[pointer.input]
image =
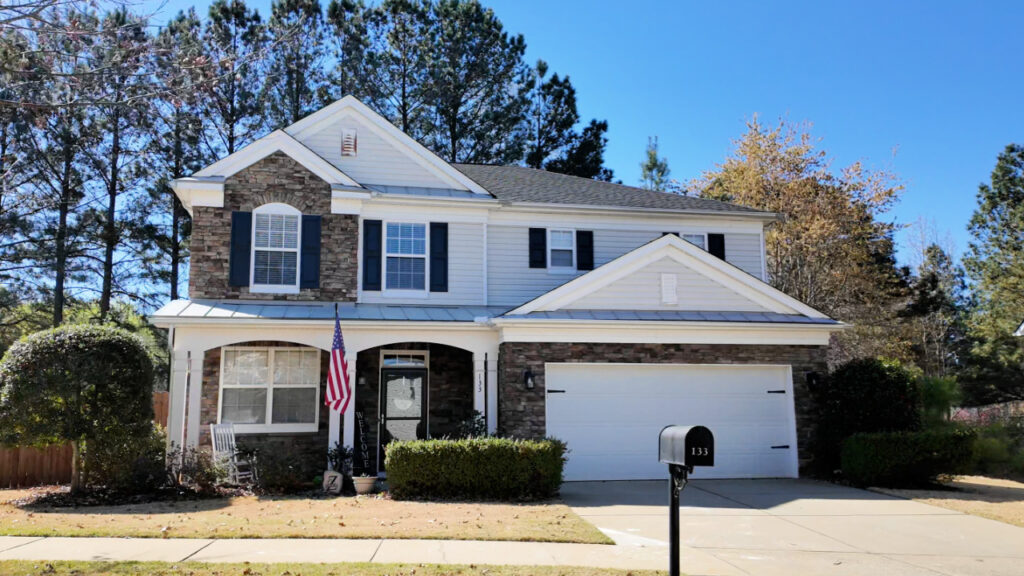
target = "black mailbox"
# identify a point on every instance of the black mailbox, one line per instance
(686, 446)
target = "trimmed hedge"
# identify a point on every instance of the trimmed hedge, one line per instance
(900, 459)
(475, 468)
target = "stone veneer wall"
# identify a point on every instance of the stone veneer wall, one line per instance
(276, 178)
(310, 446)
(521, 412)
(450, 390)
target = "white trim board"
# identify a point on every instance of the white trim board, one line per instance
(669, 246)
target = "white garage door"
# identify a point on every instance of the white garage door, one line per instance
(610, 416)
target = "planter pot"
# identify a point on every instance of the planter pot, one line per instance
(365, 484)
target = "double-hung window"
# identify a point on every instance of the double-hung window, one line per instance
(406, 252)
(561, 250)
(275, 248)
(698, 240)
(270, 389)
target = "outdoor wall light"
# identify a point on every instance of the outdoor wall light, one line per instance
(528, 379)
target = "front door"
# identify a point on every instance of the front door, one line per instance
(403, 414)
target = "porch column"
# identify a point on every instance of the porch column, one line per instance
(350, 413)
(480, 382)
(195, 396)
(177, 391)
(492, 391)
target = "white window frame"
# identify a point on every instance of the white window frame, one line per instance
(283, 209)
(268, 427)
(552, 269)
(683, 235)
(404, 292)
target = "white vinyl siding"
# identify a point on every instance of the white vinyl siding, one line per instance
(642, 290)
(465, 270)
(511, 281)
(377, 162)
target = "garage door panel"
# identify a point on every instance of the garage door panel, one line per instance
(610, 416)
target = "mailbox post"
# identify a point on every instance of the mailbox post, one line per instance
(682, 448)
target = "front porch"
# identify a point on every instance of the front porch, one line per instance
(264, 376)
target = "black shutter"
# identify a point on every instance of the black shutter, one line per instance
(241, 248)
(538, 248)
(372, 242)
(716, 245)
(584, 250)
(309, 276)
(438, 257)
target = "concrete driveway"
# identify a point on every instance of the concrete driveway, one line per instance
(795, 527)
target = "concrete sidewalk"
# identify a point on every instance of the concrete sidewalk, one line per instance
(329, 551)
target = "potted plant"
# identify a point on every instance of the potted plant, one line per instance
(364, 483)
(340, 460)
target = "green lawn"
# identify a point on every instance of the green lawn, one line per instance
(27, 568)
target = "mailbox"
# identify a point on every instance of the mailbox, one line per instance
(686, 446)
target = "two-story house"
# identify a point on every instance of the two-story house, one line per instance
(558, 306)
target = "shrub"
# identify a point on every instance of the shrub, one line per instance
(866, 395)
(938, 396)
(909, 458)
(996, 447)
(475, 468)
(194, 469)
(281, 472)
(127, 463)
(75, 384)
(473, 426)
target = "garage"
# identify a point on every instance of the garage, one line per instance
(610, 416)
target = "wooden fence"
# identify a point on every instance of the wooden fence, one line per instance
(22, 467)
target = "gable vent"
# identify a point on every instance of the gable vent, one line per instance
(349, 142)
(669, 295)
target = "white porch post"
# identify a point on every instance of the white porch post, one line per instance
(479, 382)
(350, 414)
(195, 396)
(178, 387)
(492, 390)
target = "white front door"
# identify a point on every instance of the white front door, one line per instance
(610, 416)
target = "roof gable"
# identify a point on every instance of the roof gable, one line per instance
(638, 275)
(277, 141)
(391, 157)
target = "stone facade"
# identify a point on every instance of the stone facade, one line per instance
(521, 412)
(276, 178)
(309, 446)
(449, 393)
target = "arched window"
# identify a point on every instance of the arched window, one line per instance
(276, 230)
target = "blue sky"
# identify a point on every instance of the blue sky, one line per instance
(929, 90)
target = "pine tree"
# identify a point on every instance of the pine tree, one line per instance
(995, 264)
(585, 155)
(176, 145)
(235, 40)
(295, 67)
(654, 169)
(935, 312)
(347, 33)
(552, 116)
(119, 54)
(479, 86)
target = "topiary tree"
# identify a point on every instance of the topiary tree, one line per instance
(863, 395)
(75, 384)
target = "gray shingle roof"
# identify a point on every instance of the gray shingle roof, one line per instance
(520, 184)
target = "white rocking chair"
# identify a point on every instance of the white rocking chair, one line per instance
(225, 453)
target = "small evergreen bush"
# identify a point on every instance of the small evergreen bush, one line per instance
(907, 458)
(475, 468)
(865, 395)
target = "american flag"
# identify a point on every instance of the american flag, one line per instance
(339, 392)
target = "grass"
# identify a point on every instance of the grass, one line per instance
(26, 568)
(295, 517)
(992, 498)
